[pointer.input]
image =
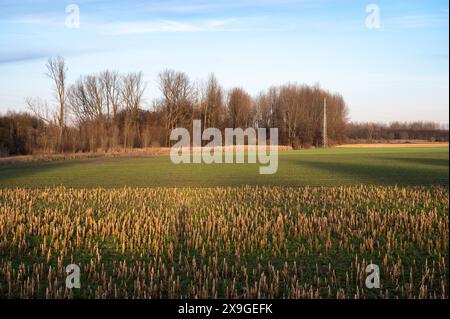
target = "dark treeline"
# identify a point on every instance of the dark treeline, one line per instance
(428, 131)
(104, 111)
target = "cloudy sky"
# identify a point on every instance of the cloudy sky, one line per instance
(397, 71)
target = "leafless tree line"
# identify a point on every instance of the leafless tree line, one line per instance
(367, 132)
(105, 111)
(94, 103)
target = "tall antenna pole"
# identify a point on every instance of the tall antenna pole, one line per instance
(325, 140)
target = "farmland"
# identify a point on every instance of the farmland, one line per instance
(145, 228)
(320, 167)
(240, 242)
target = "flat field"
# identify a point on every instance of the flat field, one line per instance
(320, 167)
(146, 228)
(233, 242)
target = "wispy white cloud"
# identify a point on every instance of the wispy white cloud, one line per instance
(122, 28)
(149, 27)
(203, 6)
(12, 57)
(125, 27)
(219, 23)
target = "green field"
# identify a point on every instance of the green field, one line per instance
(321, 167)
(260, 236)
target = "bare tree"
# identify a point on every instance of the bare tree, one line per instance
(56, 71)
(108, 111)
(241, 110)
(177, 100)
(86, 98)
(40, 109)
(133, 88)
(212, 105)
(111, 83)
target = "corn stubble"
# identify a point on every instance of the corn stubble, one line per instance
(236, 242)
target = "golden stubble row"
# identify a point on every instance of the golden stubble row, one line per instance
(235, 242)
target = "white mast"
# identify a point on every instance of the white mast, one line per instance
(325, 140)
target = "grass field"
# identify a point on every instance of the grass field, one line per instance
(322, 167)
(309, 231)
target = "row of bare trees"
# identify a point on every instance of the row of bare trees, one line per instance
(368, 132)
(93, 103)
(105, 111)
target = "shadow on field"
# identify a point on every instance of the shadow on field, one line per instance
(438, 162)
(20, 171)
(378, 172)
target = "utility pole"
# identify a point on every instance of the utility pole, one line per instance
(325, 140)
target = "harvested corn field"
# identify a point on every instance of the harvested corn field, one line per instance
(225, 242)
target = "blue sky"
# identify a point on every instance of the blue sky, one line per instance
(396, 72)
